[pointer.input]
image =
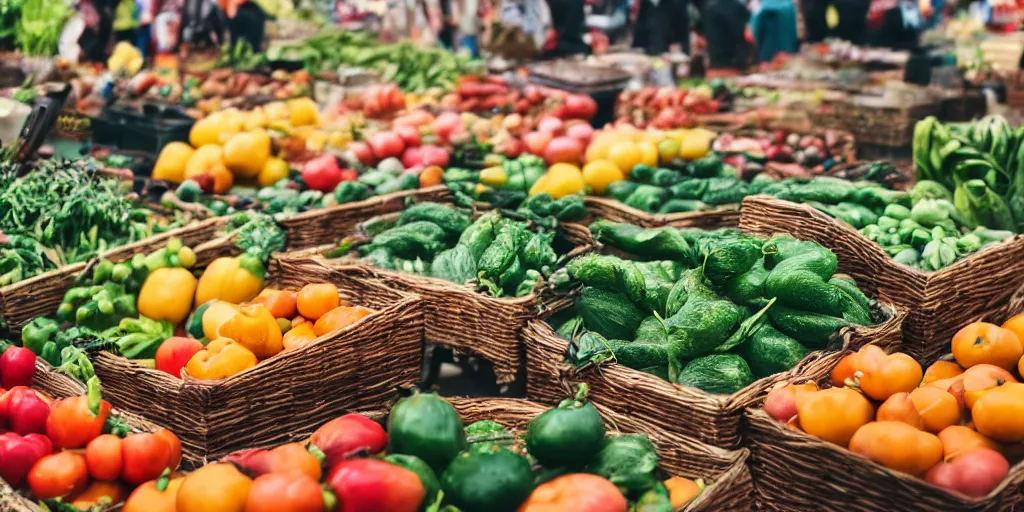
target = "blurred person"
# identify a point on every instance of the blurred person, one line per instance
(569, 22)
(773, 27)
(522, 29)
(246, 21)
(661, 24)
(815, 24)
(126, 21)
(724, 24)
(853, 21)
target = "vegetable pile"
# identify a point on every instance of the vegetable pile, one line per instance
(73, 454)
(411, 67)
(666, 107)
(506, 257)
(714, 310)
(953, 424)
(428, 460)
(63, 213)
(981, 162)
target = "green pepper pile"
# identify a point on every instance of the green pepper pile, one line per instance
(929, 232)
(486, 466)
(713, 310)
(503, 255)
(70, 210)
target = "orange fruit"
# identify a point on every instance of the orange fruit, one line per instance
(315, 300)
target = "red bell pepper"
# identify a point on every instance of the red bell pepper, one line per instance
(19, 453)
(17, 366)
(75, 421)
(23, 411)
(351, 433)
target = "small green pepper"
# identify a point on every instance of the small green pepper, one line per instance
(39, 331)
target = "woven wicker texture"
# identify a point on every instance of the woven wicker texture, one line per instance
(781, 457)
(891, 126)
(40, 295)
(610, 209)
(286, 397)
(713, 419)
(325, 226)
(59, 386)
(729, 482)
(469, 321)
(974, 285)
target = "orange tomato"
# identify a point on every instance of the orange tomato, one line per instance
(431, 176)
(1016, 325)
(175, 445)
(314, 300)
(147, 498)
(339, 318)
(937, 408)
(281, 492)
(97, 492)
(146, 456)
(280, 303)
(300, 336)
(103, 457)
(985, 343)
(882, 375)
(977, 380)
(844, 370)
(216, 486)
(941, 370)
(58, 475)
(900, 407)
(681, 491)
(999, 413)
(958, 440)
(898, 446)
(834, 414)
(575, 491)
(287, 458)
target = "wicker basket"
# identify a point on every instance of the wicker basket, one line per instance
(460, 317)
(289, 395)
(325, 226)
(40, 295)
(59, 386)
(605, 208)
(891, 126)
(713, 419)
(977, 284)
(846, 145)
(781, 456)
(729, 486)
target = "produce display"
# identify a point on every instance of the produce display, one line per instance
(501, 255)
(427, 459)
(63, 213)
(952, 423)
(665, 108)
(220, 89)
(714, 310)
(73, 453)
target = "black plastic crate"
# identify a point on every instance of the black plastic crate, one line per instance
(147, 130)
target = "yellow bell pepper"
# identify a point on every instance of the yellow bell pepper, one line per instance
(494, 176)
(167, 294)
(560, 180)
(216, 314)
(254, 328)
(273, 171)
(220, 359)
(234, 279)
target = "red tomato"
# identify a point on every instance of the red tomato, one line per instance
(280, 492)
(145, 457)
(386, 145)
(433, 155)
(322, 173)
(349, 174)
(446, 124)
(563, 150)
(174, 353)
(372, 484)
(537, 142)
(579, 106)
(362, 152)
(104, 457)
(580, 131)
(551, 125)
(409, 134)
(17, 366)
(348, 434)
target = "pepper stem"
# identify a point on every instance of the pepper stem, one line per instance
(581, 392)
(330, 500)
(94, 395)
(316, 452)
(164, 480)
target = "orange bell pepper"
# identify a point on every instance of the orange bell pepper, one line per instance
(220, 359)
(254, 328)
(339, 318)
(75, 421)
(154, 496)
(882, 375)
(100, 492)
(280, 303)
(299, 336)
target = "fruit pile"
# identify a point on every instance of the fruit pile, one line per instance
(955, 424)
